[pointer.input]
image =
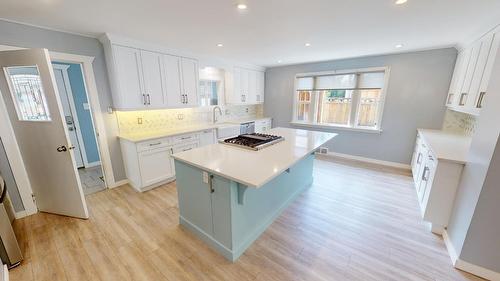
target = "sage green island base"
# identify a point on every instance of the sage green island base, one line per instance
(230, 216)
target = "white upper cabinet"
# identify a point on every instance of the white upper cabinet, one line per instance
(248, 87)
(128, 93)
(472, 74)
(190, 79)
(173, 81)
(154, 85)
(259, 94)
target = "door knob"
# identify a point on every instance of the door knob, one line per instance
(62, 148)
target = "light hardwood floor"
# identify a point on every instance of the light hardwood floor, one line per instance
(354, 223)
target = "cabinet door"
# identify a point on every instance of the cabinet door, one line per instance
(463, 59)
(152, 69)
(236, 96)
(173, 83)
(259, 94)
(454, 88)
(484, 50)
(487, 71)
(155, 165)
(244, 85)
(207, 137)
(469, 74)
(129, 77)
(252, 87)
(190, 81)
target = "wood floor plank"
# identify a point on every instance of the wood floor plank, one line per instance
(356, 222)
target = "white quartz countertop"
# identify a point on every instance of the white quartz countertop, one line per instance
(138, 137)
(447, 146)
(256, 168)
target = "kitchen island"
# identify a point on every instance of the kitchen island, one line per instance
(228, 195)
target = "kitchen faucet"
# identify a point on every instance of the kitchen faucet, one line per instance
(214, 118)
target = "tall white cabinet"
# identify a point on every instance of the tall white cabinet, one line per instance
(472, 74)
(144, 79)
(248, 87)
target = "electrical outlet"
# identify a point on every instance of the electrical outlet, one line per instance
(205, 177)
(139, 120)
(180, 116)
(246, 109)
(323, 150)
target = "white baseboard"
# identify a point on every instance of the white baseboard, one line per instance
(118, 183)
(93, 164)
(466, 266)
(21, 214)
(451, 249)
(368, 160)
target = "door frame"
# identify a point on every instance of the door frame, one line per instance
(71, 100)
(12, 148)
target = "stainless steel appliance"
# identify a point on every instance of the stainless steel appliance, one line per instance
(253, 141)
(247, 128)
(9, 248)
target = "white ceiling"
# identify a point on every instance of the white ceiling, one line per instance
(269, 30)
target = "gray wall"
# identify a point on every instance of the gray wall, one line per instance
(19, 35)
(416, 96)
(474, 227)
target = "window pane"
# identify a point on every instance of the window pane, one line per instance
(344, 81)
(335, 107)
(371, 80)
(305, 83)
(368, 107)
(303, 105)
(27, 93)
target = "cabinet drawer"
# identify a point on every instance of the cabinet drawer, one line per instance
(152, 144)
(184, 138)
(185, 147)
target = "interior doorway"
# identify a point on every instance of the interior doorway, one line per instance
(78, 118)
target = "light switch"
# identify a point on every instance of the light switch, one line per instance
(205, 177)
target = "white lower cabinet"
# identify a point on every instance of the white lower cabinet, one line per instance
(149, 164)
(156, 165)
(436, 181)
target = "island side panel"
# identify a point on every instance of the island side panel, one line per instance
(195, 206)
(260, 207)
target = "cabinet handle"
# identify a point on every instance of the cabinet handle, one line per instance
(480, 100)
(419, 158)
(171, 150)
(462, 99)
(210, 184)
(187, 149)
(187, 98)
(149, 99)
(156, 143)
(186, 138)
(425, 176)
(144, 99)
(450, 98)
(182, 99)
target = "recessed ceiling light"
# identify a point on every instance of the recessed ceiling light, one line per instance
(399, 2)
(244, 6)
(308, 44)
(399, 46)
(220, 45)
(280, 61)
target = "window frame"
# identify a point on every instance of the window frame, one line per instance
(355, 103)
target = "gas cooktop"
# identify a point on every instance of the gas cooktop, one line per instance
(253, 141)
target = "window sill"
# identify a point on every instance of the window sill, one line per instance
(336, 127)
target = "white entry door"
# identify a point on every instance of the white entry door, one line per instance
(28, 88)
(69, 110)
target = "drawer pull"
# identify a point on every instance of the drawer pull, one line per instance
(186, 138)
(156, 143)
(186, 149)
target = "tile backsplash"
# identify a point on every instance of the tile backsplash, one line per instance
(458, 122)
(150, 121)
